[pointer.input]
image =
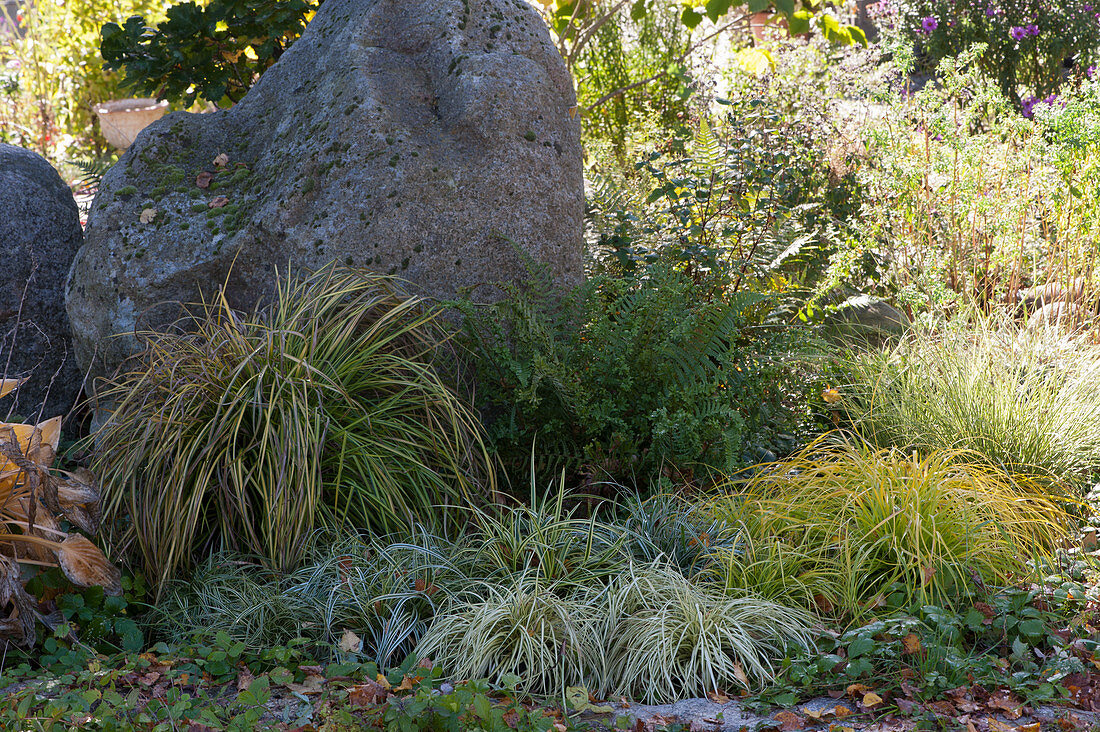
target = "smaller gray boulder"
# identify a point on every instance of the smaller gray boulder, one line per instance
(39, 234)
(866, 318)
(1060, 315)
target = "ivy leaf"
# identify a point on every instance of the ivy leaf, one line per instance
(690, 18)
(716, 9)
(638, 10)
(785, 6)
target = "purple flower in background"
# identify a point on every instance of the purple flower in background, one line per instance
(1029, 105)
(929, 24)
(1032, 29)
(990, 11)
(1090, 71)
(1017, 33)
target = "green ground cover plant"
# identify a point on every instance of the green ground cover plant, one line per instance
(503, 600)
(248, 431)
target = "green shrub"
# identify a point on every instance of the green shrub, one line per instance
(743, 205)
(939, 528)
(213, 51)
(628, 377)
(242, 432)
(1024, 400)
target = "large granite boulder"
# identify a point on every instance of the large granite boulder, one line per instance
(431, 139)
(39, 236)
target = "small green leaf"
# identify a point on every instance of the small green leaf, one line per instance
(690, 18)
(716, 9)
(638, 10)
(483, 707)
(799, 23)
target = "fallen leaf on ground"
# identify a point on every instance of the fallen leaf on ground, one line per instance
(221, 159)
(996, 725)
(366, 694)
(943, 708)
(350, 642)
(789, 721)
(312, 684)
(911, 644)
(202, 180)
(218, 202)
(1071, 722)
(905, 706)
(244, 679)
(148, 215)
(855, 690)
(871, 699)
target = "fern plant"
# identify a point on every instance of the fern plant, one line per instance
(628, 378)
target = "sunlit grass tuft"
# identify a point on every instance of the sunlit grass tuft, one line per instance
(525, 628)
(1024, 400)
(939, 526)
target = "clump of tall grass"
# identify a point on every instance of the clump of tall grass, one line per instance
(1024, 400)
(243, 432)
(937, 528)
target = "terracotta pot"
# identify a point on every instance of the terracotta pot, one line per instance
(121, 120)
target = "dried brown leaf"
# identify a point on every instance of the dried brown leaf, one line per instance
(17, 626)
(85, 566)
(202, 180)
(789, 721)
(9, 385)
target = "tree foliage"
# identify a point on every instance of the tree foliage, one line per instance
(214, 52)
